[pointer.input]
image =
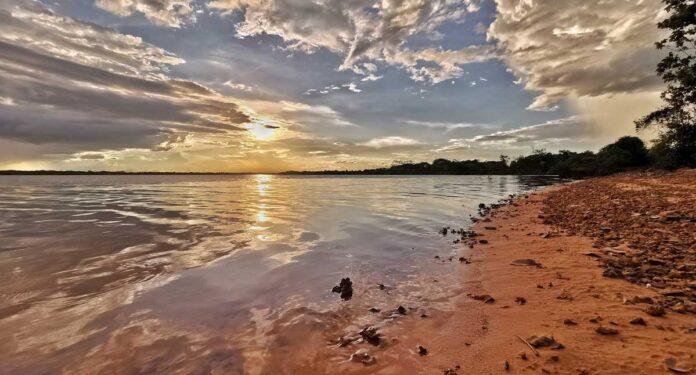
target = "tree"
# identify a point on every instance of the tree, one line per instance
(677, 118)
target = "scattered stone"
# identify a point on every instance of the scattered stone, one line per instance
(506, 365)
(607, 331)
(526, 262)
(521, 300)
(345, 288)
(363, 356)
(570, 322)
(371, 335)
(671, 364)
(450, 371)
(490, 228)
(643, 241)
(523, 356)
(422, 350)
(482, 297)
(483, 242)
(374, 310)
(640, 299)
(655, 310)
(544, 342)
(638, 322)
(565, 296)
(401, 310)
(382, 287)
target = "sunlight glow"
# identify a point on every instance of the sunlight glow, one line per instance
(263, 130)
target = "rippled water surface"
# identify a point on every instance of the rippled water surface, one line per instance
(148, 273)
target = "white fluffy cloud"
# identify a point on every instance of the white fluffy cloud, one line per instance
(363, 30)
(171, 13)
(391, 141)
(569, 48)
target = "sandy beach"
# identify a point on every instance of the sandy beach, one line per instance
(534, 298)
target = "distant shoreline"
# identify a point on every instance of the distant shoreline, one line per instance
(290, 173)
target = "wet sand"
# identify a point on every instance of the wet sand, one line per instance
(566, 298)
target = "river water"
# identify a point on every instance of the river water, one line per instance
(197, 274)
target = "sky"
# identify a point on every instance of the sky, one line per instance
(276, 85)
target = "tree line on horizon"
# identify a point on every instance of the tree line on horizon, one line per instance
(625, 154)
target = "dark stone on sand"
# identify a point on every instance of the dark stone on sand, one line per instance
(570, 322)
(606, 331)
(345, 288)
(370, 335)
(486, 298)
(525, 262)
(545, 342)
(638, 322)
(483, 242)
(374, 310)
(655, 310)
(422, 350)
(521, 300)
(401, 310)
(506, 365)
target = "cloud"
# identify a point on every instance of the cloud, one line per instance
(170, 13)
(448, 126)
(87, 86)
(564, 48)
(371, 77)
(363, 31)
(569, 131)
(239, 86)
(390, 141)
(352, 87)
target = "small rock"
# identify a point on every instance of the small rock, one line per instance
(655, 310)
(363, 356)
(570, 322)
(526, 262)
(521, 300)
(565, 296)
(607, 331)
(483, 242)
(544, 341)
(638, 322)
(482, 297)
(374, 310)
(401, 310)
(523, 356)
(671, 364)
(506, 365)
(371, 335)
(345, 288)
(422, 350)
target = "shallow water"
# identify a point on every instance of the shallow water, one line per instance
(153, 273)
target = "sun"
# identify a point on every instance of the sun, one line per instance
(262, 131)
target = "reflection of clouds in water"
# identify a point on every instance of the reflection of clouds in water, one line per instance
(265, 240)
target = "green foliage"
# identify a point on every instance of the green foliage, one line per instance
(676, 120)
